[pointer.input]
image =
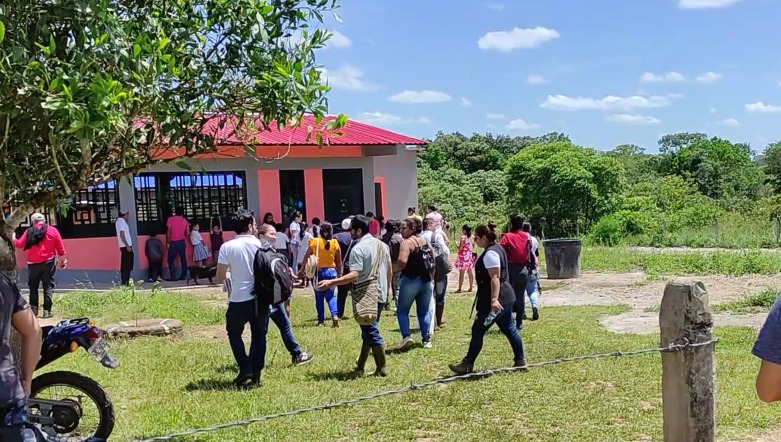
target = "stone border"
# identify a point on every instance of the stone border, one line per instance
(144, 327)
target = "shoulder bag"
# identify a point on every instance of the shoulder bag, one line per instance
(365, 294)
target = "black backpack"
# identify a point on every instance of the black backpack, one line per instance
(273, 281)
(442, 264)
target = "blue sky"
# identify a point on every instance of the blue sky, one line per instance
(606, 72)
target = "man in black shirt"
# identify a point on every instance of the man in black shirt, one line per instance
(15, 386)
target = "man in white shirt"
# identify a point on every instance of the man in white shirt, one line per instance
(436, 236)
(237, 256)
(127, 257)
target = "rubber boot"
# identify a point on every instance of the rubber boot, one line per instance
(440, 308)
(360, 363)
(379, 358)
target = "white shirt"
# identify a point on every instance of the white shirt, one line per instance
(302, 250)
(362, 259)
(535, 247)
(282, 240)
(239, 254)
(491, 260)
(430, 236)
(195, 237)
(122, 226)
(295, 230)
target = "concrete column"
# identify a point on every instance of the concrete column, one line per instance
(127, 201)
(369, 203)
(688, 375)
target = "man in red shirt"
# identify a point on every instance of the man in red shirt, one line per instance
(178, 230)
(374, 225)
(43, 246)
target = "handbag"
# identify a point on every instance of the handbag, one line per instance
(310, 267)
(365, 294)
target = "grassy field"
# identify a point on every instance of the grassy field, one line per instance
(172, 384)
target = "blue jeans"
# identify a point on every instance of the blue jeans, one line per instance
(327, 295)
(278, 315)
(236, 318)
(532, 292)
(440, 289)
(417, 291)
(177, 249)
(519, 280)
(370, 334)
(12, 422)
(505, 323)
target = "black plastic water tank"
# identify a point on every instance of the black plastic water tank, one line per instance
(562, 257)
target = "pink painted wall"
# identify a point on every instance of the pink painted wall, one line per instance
(269, 194)
(313, 181)
(85, 253)
(143, 263)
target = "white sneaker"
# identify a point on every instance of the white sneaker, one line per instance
(405, 344)
(427, 345)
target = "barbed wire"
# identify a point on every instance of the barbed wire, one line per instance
(672, 347)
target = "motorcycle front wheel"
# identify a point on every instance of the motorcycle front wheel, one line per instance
(49, 399)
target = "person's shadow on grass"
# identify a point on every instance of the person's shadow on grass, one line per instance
(341, 376)
(214, 385)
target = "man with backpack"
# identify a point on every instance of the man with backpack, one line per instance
(237, 256)
(521, 263)
(438, 241)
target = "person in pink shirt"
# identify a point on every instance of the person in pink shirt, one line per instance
(44, 246)
(374, 225)
(178, 230)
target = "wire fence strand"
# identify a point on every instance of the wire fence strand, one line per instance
(672, 347)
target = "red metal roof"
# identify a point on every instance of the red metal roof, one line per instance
(354, 133)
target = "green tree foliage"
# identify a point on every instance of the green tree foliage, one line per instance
(771, 164)
(568, 186)
(90, 89)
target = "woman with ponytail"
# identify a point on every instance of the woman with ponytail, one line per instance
(495, 300)
(329, 263)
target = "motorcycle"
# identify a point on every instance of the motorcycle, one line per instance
(64, 416)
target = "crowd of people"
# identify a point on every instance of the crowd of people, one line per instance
(380, 265)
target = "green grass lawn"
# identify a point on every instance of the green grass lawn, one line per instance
(172, 384)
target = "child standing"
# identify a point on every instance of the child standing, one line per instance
(154, 254)
(216, 236)
(200, 252)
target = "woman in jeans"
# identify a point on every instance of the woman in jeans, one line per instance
(415, 285)
(329, 261)
(494, 295)
(518, 246)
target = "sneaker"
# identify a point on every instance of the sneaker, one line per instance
(302, 358)
(405, 344)
(427, 344)
(461, 368)
(46, 314)
(244, 377)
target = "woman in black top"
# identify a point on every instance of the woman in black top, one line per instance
(494, 294)
(415, 284)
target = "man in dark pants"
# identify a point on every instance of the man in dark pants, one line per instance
(345, 240)
(127, 257)
(154, 254)
(44, 246)
(177, 230)
(15, 384)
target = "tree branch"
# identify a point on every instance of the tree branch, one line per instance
(57, 165)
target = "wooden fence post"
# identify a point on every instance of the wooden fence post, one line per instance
(688, 376)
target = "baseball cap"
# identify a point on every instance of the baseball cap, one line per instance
(38, 218)
(346, 223)
(122, 211)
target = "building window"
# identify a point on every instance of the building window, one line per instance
(89, 213)
(342, 193)
(292, 191)
(205, 198)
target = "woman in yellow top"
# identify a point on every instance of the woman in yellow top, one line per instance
(329, 265)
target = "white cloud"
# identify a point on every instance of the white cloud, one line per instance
(496, 6)
(650, 77)
(761, 108)
(491, 116)
(709, 77)
(633, 119)
(516, 38)
(417, 97)
(519, 124)
(347, 77)
(380, 118)
(536, 79)
(338, 40)
(608, 103)
(706, 4)
(731, 122)
(466, 102)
